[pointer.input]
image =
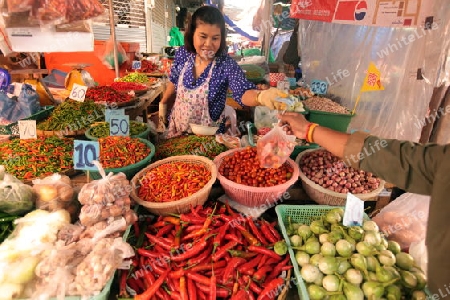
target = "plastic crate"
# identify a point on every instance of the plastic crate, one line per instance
(338, 122)
(13, 128)
(299, 214)
(304, 214)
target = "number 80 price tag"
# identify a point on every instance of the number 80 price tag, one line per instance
(85, 152)
(319, 87)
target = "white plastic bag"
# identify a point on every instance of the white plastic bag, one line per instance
(404, 220)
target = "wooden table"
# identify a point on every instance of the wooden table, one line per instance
(142, 105)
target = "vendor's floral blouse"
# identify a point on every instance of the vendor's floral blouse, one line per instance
(226, 74)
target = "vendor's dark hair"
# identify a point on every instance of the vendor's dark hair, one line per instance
(208, 15)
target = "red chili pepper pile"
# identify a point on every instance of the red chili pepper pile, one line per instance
(107, 94)
(173, 181)
(208, 253)
(28, 159)
(121, 151)
(148, 66)
(243, 167)
(122, 86)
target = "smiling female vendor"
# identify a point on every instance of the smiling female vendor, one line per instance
(200, 76)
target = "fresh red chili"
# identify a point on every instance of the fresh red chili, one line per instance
(248, 236)
(192, 290)
(240, 295)
(254, 229)
(233, 264)
(264, 251)
(200, 258)
(196, 277)
(172, 220)
(152, 290)
(176, 274)
(278, 268)
(162, 242)
(196, 249)
(208, 266)
(222, 251)
(123, 283)
(183, 288)
(213, 286)
(260, 274)
(250, 266)
(273, 287)
(243, 254)
(165, 230)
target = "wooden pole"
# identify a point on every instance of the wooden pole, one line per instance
(113, 35)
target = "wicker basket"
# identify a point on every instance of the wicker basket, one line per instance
(254, 196)
(182, 205)
(326, 197)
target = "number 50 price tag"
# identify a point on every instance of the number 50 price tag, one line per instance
(84, 153)
(78, 92)
(119, 125)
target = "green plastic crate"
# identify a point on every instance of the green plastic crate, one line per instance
(338, 122)
(303, 214)
(130, 170)
(13, 128)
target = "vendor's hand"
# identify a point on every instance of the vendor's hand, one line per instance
(268, 98)
(294, 123)
(162, 120)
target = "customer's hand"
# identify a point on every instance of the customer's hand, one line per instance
(269, 98)
(296, 124)
(162, 120)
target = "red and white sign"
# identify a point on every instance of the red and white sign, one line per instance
(391, 13)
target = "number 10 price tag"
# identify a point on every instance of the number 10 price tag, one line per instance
(119, 125)
(85, 152)
(27, 129)
(78, 92)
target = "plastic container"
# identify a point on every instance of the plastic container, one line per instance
(142, 135)
(338, 122)
(180, 206)
(130, 170)
(299, 214)
(13, 128)
(324, 196)
(253, 73)
(254, 196)
(203, 130)
(56, 79)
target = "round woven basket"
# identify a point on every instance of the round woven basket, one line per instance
(324, 196)
(180, 206)
(255, 196)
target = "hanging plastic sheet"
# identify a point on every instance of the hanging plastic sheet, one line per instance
(411, 61)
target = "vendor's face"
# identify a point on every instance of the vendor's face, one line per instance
(207, 40)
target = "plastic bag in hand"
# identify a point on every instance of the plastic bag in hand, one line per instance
(404, 220)
(275, 148)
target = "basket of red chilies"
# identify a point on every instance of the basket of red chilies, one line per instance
(174, 184)
(210, 252)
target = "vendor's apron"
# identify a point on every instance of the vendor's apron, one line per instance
(191, 106)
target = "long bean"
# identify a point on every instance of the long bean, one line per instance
(189, 145)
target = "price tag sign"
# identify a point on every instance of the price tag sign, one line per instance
(319, 87)
(354, 211)
(78, 92)
(136, 64)
(85, 152)
(119, 125)
(113, 112)
(27, 129)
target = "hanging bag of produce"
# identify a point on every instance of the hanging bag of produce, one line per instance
(107, 57)
(275, 147)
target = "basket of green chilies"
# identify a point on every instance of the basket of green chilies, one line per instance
(99, 130)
